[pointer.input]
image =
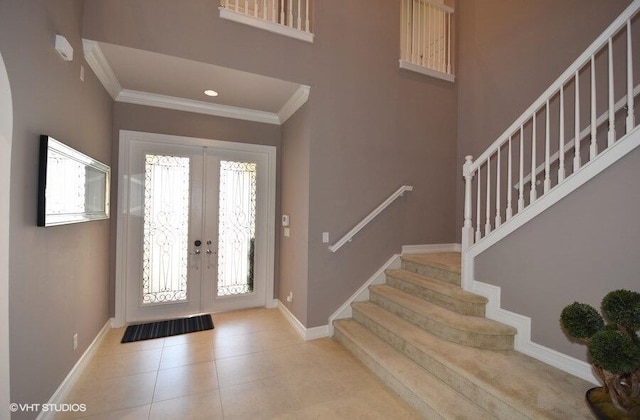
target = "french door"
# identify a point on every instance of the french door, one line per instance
(197, 230)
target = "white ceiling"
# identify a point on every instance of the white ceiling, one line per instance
(138, 76)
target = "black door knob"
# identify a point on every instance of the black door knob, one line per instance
(198, 242)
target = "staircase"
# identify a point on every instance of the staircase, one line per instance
(429, 341)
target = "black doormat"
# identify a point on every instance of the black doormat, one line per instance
(167, 328)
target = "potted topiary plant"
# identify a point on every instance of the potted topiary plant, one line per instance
(614, 348)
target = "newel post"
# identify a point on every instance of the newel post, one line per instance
(467, 228)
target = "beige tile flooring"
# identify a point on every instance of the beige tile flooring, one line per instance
(253, 365)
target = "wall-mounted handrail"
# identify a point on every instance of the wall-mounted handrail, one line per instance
(347, 238)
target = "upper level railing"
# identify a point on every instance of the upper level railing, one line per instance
(357, 228)
(425, 38)
(598, 80)
(287, 17)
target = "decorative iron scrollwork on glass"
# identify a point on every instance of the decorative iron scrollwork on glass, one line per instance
(237, 228)
(166, 229)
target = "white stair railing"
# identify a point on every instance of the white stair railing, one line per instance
(281, 16)
(357, 228)
(542, 131)
(425, 37)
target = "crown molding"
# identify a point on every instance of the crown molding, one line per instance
(100, 66)
(189, 105)
(299, 98)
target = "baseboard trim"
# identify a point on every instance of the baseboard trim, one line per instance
(74, 374)
(523, 341)
(362, 294)
(307, 334)
(430, 249)
(272, 304)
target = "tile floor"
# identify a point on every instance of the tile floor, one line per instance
(253, 365)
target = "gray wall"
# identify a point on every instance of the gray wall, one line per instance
(58, 282)
(585, 245)
(578, 250)
(373, 127)
(294, 250)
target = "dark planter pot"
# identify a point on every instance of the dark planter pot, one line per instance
(602, 407)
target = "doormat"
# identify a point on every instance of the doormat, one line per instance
(167, 328)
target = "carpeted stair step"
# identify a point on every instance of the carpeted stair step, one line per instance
(441, 293)
(508, 384)
(443, 266)
(462, 329)
(423, 391)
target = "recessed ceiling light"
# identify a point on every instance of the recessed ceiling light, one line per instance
(210, 92)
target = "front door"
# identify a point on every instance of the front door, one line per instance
(196, 234)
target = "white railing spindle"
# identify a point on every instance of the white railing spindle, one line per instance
(547, 152)
(533, 193)
(255, 8)
(299, 20)
(306, 20)
(509, 212)
(487, 225)
(593, 149)
(449, 43)
(498, 216)
(521, 189)
(577, 160)
(611, 136)
(290, 14)
(282, 20)
(274, 11)
(630, 111)
(478, 231)
(561, 170)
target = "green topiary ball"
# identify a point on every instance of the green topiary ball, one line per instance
(614, 351)
(581, 321)
(623, 307)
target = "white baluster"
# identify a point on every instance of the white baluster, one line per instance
(533, 193)
(299, 15)
(521, 189)
(467, 229)
(487, 226)
(561, 170)
(255, 8)
(290, 14)
(306, 20)
(593, 149)
(246, 7)
(577, 160)
(509, 212)
(226, 4)
(547, 146)
(611, 136)
(264, 10)
(236, 4)
(282, 20)
(631, 123)
(449, 43)
(498, 216)
(274, 11)
(409, 40)
(414, 33)
(478, 231)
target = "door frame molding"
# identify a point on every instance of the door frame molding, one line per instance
(125, 139)
(6, 135)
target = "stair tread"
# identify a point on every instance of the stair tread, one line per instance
(450, 261)
(474, 324)
(438, 286)
(532, 387)
(446, 401)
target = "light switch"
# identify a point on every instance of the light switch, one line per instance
(287, 232)
(285, 220)
(325, 237)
